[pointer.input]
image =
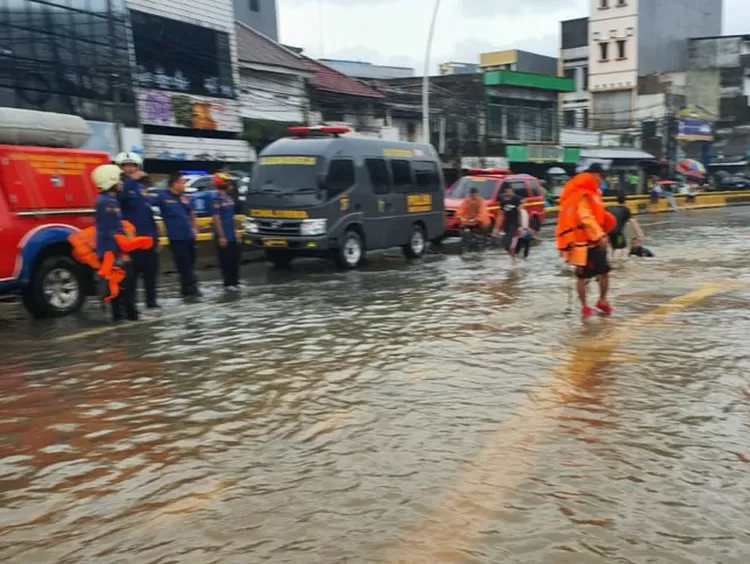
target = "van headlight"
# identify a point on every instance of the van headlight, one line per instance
(251, 226)
(312, 227)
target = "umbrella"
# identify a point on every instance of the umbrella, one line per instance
(691, 167)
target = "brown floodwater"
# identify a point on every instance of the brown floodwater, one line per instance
(449, 410)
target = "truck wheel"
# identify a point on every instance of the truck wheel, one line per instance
(351, 252)
(56, 288)
(280, 259)
(417, 243)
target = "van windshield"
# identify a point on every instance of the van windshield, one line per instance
(485, 186)
(286, 175)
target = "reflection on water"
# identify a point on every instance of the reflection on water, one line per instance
(448, 411)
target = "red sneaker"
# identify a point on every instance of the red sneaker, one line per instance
(604, 307)
(586, 311)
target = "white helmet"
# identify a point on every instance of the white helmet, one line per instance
(106, 176)
(128, 158)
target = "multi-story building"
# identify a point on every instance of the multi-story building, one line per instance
(259, 15)
(367, 71)
(453, 67)
(70, 57)
(186, 83)
(519, 61)
(629, 39)
(574, 64)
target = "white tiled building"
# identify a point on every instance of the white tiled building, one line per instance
(180, 124)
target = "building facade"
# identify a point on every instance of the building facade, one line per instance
(629, 39)
(186, 83)
(368, 71)
(519, 61)
(259, 15)
(70, 57)
(453, 67)
(574, 64)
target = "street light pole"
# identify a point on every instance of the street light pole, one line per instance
(426, 78)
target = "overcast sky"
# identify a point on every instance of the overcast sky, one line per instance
(394, 32)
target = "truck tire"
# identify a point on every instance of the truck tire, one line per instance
(56, 288)
(351, 251)
(280, 259)
(417, 244)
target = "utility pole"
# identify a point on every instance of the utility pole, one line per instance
(426, 78)
(115, 79)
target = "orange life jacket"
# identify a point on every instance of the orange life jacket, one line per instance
(471, 209)
(570, 230)
(84, 251)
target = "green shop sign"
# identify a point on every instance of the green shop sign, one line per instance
(542, 154)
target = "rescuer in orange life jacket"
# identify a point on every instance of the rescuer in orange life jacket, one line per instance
(581, 236)
(113, 244)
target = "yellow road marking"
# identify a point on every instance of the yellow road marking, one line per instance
(485, 484)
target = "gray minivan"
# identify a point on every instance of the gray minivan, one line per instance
(321, 193)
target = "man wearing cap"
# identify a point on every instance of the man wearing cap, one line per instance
(225, 232)
(136, 208)
(581, 235)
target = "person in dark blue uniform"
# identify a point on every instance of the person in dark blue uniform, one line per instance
(136, 208)
(108, 220)
(225, 231)
(179, 221)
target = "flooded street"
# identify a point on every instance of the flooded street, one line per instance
(450, 410)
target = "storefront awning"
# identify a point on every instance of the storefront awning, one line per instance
(616, 154)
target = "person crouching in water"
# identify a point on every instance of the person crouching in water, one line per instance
(108, 220)
(638, 250)
(474, 214)
(225, 231)
(582, 234)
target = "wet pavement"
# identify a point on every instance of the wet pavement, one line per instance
(450, 410)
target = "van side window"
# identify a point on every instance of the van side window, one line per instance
(519, 189)
(426, 176)
(401, 175)
(379, 178)
(340, 176)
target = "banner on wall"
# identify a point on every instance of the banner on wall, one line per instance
(171, 109)
(694, 123)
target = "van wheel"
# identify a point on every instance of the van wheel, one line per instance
(535, 223)
(351, 252)
(56, 288)
(417, 243)
(280, 259)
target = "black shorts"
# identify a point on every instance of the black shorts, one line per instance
(618, 241)
(596, 264)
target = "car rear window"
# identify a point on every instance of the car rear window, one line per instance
(485, 186)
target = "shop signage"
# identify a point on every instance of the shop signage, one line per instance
(171, 109)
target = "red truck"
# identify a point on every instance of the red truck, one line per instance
(46, 194)
(490, 183)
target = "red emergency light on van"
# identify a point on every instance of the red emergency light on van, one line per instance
(486, 171)
(334, 130)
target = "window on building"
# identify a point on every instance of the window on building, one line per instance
(379, 178)
(411, 131)
(621, 3)
(603, 51)
(570, 118)
(426, 176)
(621, 49)
(585, 73)
(255, 5)
(586, 118)
(340, 176)
(603, 4)
(401, 171)
(571, 73)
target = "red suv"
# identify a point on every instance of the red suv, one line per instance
(490, 183)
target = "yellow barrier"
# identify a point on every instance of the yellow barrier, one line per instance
(205, 228)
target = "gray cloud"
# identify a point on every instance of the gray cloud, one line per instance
(487, 8)
(468, 50)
